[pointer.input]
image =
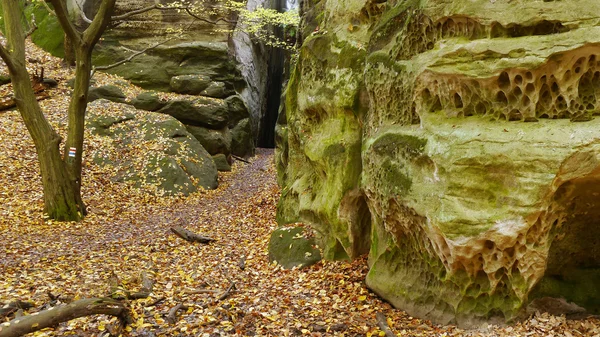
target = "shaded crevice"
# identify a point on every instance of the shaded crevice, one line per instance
(573, 265)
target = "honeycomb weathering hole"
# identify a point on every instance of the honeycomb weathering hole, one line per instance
(564, 87)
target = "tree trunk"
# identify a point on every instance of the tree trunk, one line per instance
(69, 51)
(62, 200)
(77, 108)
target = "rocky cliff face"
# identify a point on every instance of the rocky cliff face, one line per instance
(455, 143)
(199, 60)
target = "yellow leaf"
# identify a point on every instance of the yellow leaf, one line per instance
(101, 326)
(362, 298)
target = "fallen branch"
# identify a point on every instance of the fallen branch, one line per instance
(147, 285)
(383, 325)
(13, 307)
(190, 236)
(202, 291)
(63, 313)
(240, 159)
(172, 316)
(155, 302)
(227, 292)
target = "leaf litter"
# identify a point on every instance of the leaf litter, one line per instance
(226, 288)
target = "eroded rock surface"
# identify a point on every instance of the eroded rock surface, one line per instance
(455, 142)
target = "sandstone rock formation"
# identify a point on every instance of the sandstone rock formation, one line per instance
(198, 61)
(174, 161)
(455, 143)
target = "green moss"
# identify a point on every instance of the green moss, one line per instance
(394, 181)
(390, 143)
(49, 35)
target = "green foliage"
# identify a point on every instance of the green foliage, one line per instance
(258, 22)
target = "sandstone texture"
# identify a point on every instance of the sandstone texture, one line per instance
(454, 142)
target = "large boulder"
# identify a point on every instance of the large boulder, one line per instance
(202, 53)
(208, 112)
(242, 142)
(237, 110)
(189, 84)
(458, 138)
(148, 101)
(109, 92)
(149, 150)
(214, 141)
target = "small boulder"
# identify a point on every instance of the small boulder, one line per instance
(291, 247)
(148, 101)
(71, 82)
(217, 90)
(242, 141)
(189, 84)
(221, 163)
(109, 92)
(214, 141)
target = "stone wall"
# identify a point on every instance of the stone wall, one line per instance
(455, 143)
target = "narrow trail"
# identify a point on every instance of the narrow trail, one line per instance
(128, 231)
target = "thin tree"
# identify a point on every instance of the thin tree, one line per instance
(61, 174)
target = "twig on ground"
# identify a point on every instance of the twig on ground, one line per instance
(190, 236)
(227, 292)
(155, 302)
(240, 159)
(172, 316)
(383, 325)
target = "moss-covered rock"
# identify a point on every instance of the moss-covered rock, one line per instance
(290, 247)
(237, 110)
(411, 121)
(222, 163)
(49, 34)
(109, 92)
(148, 101)
(214, 141)
(242, 141)
(189, 84)
(209, 112)
(151, 151)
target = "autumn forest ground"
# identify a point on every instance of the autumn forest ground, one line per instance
(128, 231)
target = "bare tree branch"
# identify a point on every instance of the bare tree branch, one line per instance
(7, 58)
(131, 57)
(135, 12)
(93, 33)
(33, 28)
(63, 16)
(48, 8)
(216, 22)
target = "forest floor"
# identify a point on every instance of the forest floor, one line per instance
(128, 231)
